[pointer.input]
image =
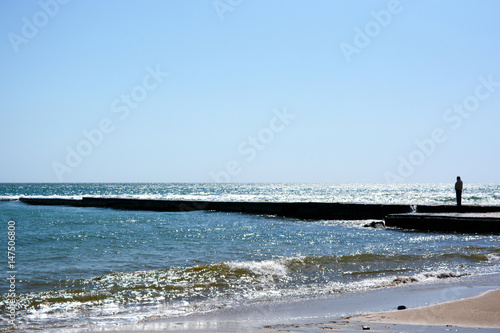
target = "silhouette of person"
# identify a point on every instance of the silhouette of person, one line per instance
(459, 185)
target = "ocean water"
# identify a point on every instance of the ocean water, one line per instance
(90, 267)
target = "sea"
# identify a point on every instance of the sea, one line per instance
(72, 267)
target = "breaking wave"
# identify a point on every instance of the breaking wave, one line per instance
(121, 297)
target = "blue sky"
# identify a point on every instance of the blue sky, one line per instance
(249, 91)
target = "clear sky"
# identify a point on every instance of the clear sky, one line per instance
(250, 91)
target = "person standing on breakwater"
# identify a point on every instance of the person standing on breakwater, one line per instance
(459, 185)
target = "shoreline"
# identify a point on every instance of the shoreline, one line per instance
(348, 312)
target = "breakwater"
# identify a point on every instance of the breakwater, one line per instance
(446, 222)
(302, 210)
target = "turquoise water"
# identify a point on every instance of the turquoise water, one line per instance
(77, 267)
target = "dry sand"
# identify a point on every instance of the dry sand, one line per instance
(482, 312)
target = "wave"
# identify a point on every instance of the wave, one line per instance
(9, 198)
(493, 257)
(17, 197)
(263, 268)
(229, 278)
(428, 277)
(178, 291)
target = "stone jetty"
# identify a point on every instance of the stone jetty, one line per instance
(446, 222)
(467, 218)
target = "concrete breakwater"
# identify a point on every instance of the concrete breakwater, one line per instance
(302, 210)
(395, 215)
(446, 222)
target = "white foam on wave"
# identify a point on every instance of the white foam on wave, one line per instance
(54, 196)
(74, 316)
(9, 197)
(436, 275)
(265, 268)
(493, 257)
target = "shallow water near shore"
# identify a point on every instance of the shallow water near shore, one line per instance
(330, 311)
(91, 267)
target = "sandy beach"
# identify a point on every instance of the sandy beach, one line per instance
(480, 312)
